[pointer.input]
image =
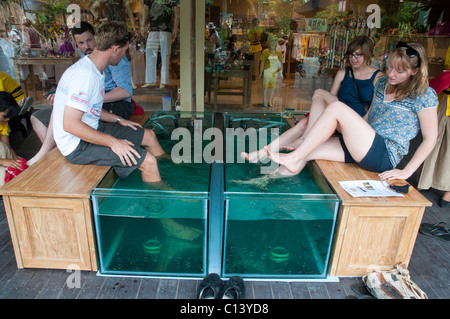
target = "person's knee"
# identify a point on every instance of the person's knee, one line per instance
(5, 152)
(149, 162)
(319, 93)
(149, 135)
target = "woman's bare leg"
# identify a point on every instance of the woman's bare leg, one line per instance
(295, 135)
(286, 139)
(271, 94)
(264, 94)
(357, 134)
(45, 134)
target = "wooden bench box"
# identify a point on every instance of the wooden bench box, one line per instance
(371, 233)
(49, 212)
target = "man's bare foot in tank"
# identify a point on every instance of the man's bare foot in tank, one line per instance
(174, 229)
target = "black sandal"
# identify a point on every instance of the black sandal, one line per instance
(210, 287)
(439, 230)
(234, 288)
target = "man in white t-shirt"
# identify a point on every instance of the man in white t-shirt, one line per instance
(77, 110)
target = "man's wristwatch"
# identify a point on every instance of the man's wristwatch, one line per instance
(118, 120)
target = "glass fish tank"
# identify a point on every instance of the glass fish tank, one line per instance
(157, 229)
(276, 226)
(215, 212)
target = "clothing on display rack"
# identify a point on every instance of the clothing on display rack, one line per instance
(306, 45)
(6, 53)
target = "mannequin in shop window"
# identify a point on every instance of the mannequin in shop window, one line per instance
(270, 68)
(164, 17)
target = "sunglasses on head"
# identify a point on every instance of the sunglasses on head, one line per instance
(410, 51)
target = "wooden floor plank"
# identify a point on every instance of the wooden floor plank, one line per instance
(109, 288)
(38, 281)
(129, 288)
(187, 289)
(148, 288)
(74, 283)
(422, 282)
(262, 290)
(317, 290)
(336, 290)
(18, 279)
(299, 290)
(54, 285)
(91, 286)
(167, 289)
(249, 292)
(281, 290)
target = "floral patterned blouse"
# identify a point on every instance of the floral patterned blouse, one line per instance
(397, 121)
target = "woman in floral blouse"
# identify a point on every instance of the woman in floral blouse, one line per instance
(402, 105)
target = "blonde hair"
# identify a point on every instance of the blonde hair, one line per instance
(416, 84)
(365, 44)
(111, 33)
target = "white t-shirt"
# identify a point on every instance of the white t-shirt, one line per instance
(81, 87)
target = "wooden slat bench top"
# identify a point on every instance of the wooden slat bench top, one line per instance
(54, 176)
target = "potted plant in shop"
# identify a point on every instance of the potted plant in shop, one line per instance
(51, 17)
(401, 19)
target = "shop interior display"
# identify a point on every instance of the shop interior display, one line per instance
(312, 44)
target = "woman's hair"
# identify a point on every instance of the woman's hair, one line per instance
(8, 104)
(111, 33)
(416, 84)
(364, 44)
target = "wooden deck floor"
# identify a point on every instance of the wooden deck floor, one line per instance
(429, 269)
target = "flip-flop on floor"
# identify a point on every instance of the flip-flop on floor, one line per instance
(438, 230)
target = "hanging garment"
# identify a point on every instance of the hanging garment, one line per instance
(6, 63)
(435, 172)
(158, 40)
(137, 63)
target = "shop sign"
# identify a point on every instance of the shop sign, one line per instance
(316, 25)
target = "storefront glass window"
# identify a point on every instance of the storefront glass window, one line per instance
(290, 48)
(259, 54)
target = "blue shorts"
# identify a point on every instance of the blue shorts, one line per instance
(87, 153)
(376, 159)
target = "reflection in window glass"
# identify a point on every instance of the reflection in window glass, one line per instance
(310, 40)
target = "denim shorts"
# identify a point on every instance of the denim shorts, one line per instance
(376, 159)
(88, 153)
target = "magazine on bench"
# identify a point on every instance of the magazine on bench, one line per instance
(368, 188)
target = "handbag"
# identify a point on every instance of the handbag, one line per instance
(393, 284)
(365, 106)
